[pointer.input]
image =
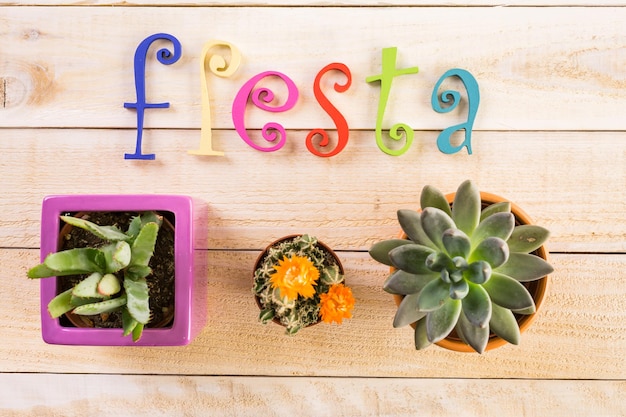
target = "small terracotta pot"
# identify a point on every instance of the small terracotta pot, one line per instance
(537, 288)
(259, 260)
(84, 321)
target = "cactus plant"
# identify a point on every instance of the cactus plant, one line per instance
(462, 268)
(114, 272)
(298, 282)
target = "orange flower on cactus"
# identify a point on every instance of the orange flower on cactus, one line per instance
(336, 304)
(295, 276)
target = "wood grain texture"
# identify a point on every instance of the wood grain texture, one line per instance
(576, 335)
(537, 68)
(549, 135)
(349, 200)
(46, 394)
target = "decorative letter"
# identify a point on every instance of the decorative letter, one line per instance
(453, 97)
(271, 131)
(389, 72)
(218, 66)
(343, 131)
(165, 57)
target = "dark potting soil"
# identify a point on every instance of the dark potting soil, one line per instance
(160, 281)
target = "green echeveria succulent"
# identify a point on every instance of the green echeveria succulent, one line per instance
(462, 268)
(116, 272)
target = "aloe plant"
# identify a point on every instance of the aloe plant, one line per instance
(115, 272)
(461, 268)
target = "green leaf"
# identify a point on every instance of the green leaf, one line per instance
(154, 217)
(138, 302)
(128, 322)
(88, 287)
(432, 197)
(477, 306)
(478, 272)
(492, 250)
(476, 337)
(459, 330)
(438, 261)
(137, 271)
(439, 323)
(434, 223)
(508, 292)
(456, 276)
(60, 304)
(445, 277)
(79, 301)
(504, 324)
(380, 250)
(433, 296)
(501, 207)
(525, 267)
(459, 289)
(103, 232)
(421, 337)
(109, 285)
(266, 315)
(499, 225)
(408, 312)
(143, 246)
(411, 258)
(466, 207)
(40, 271)
(117, 256)
(401, 282)
(105, 306)
(133, 230)
(456, 243)
(529, 310)
(527, 238)
(75, 261)
(140, 221)
(137, 332)
(410, 221)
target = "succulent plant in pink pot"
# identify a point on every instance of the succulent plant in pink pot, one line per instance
(118, 270)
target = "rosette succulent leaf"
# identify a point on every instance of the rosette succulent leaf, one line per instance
(462, 267)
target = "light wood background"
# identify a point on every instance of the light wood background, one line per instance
(550, 134)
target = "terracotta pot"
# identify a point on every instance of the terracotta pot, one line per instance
(84, 321)
(259, 260)
(537, 288)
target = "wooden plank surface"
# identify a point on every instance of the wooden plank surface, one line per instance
(537, 68)
(350, 200)
(321, 397)
(549, 135)
(578, 334)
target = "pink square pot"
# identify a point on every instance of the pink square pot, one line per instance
(187, 304)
